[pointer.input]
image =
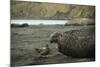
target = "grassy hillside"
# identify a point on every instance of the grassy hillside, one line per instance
(36, 10)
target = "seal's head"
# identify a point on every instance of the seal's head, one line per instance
(54, 37)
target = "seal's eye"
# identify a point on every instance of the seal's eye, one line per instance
(51, 41)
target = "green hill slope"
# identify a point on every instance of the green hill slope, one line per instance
(36, 10)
